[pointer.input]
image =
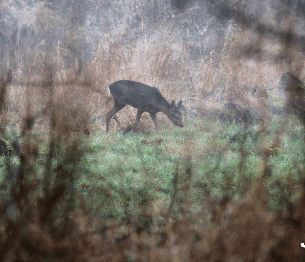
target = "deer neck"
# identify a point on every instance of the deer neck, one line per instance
(165, 107)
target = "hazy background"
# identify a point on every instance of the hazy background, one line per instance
(205, 52)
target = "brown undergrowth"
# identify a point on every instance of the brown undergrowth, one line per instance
(46, 219)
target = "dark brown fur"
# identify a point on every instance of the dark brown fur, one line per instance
(143, 97)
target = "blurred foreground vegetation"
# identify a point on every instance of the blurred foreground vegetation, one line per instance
(139, 197)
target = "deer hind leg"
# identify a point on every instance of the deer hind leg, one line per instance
(119, 123)
(112, 113)
(139, 114)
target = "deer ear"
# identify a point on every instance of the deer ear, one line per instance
(173, 105)
(179, 104)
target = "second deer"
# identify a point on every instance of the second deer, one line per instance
(146, 99)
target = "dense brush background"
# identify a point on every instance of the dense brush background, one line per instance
(229, 186)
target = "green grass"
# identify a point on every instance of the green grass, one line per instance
(120, 176)
(124, 173)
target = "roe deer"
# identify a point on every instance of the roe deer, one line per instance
(146, 99)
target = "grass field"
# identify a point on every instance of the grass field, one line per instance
(223, 160)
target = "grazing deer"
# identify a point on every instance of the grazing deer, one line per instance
(146, 99)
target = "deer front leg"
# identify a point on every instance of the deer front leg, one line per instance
(139, 114)
(154, 119)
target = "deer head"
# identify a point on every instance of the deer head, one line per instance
(175, 113)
